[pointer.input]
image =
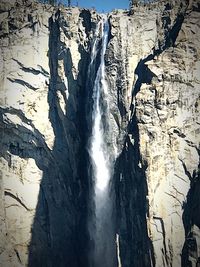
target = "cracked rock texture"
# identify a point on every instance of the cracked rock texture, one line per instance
(153, 74)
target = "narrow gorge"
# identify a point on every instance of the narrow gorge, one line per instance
(99, 135)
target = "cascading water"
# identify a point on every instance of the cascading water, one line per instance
(98, 148)
(104, 251)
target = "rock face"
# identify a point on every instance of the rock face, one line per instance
(152, 67)
(158, 172)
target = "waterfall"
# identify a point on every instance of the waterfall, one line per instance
(98, 148)
(101, 151)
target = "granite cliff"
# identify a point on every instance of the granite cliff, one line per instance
(153, 71)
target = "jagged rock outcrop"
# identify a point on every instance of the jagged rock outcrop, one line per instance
(152, 67)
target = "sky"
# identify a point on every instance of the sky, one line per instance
(102, 5)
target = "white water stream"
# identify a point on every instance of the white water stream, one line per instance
(104, 254)
(98, 149)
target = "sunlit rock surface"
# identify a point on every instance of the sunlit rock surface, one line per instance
(153, 75)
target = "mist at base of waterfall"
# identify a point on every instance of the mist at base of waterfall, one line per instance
(105, 245)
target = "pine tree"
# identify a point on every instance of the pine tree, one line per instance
(130, 4)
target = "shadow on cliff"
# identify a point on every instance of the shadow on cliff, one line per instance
(191, 219)
(59, 232)
(131, 203)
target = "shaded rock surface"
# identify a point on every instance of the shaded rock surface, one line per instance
(152, 69)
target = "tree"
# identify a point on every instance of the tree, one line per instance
(69, 3)
(130, 4)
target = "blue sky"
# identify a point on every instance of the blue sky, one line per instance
(102, 5)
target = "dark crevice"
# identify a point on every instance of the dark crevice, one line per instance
(164, 237)
(44, 72)
(110, 36)
(86, 16)
(186, 170)
(18, 257)
(32, 70)
(17, 112)
(179, 133)
(7, 193)
(23, 83)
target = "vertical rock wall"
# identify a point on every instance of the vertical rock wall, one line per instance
(44, 180)
(152, 67)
